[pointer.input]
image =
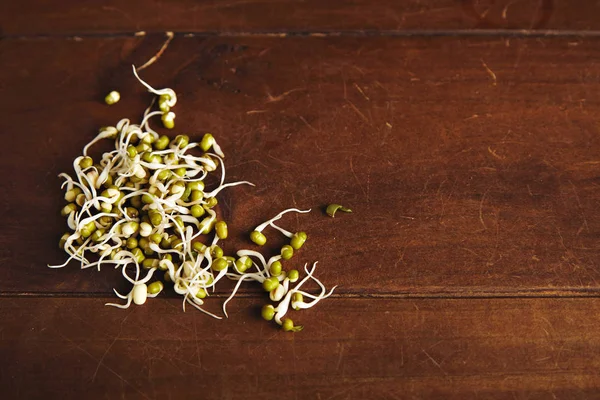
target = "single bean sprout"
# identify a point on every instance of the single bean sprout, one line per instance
(112, 98)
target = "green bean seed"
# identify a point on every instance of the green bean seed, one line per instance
(155, 287)
(288, 326)
(268, 312)
(150, 263)
(131, 243)
(211, 202)
(161, 143)
(221, 229)
(68, 209)
(168, 120)
(112, 98)
(293, 275)
(86, 162)
(287, 252)
(216, 251)
(138, 254)
(207, 141)
(219, 264)
(196, 195)
(258, 238)
(298, 240)
(199, 247)
(275, 268)
(270, 284)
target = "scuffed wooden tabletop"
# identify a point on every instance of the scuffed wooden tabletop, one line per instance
(463, 134)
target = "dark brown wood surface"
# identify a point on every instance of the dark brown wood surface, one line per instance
(76, 17)
(469, 154)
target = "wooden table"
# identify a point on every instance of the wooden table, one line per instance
(464, 135)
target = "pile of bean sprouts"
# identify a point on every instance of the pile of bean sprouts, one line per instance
(143, 208)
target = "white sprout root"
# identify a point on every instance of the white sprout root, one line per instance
(145, 205)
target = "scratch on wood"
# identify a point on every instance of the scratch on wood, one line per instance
(306, 123)
(505, 10)
(271, 99)
(361, 91)
(434, 362)
(256, 112)
(340, 356)
(585, 223)
(357, 180)
(490, 72)
(358, 111)
(481, 210)
(105, 366)
(494, 154)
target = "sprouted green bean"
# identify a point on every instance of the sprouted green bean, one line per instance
(144, 206)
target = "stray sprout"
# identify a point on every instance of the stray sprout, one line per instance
(112, 98)
(333, 208)
(144, 207)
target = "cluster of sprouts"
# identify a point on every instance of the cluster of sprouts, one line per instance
(143, 208)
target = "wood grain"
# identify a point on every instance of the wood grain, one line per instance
(351, 348)
(30, 17)
(471, 164)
